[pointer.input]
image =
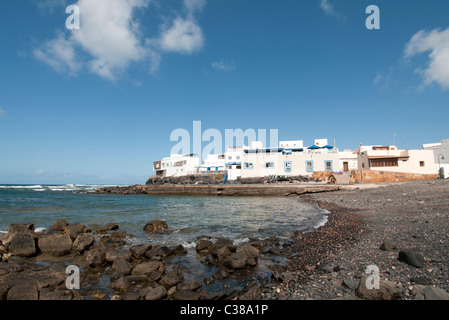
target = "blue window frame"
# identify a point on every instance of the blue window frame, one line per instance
(287, 166)
(328, 165)
(309, 166)
(248, 165)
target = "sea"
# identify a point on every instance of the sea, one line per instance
(240, 219)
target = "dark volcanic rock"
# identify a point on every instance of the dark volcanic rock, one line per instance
(156, 226)
(22, 245)
(411, 258)
(55, 244)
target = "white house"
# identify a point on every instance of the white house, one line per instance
(291, 160)
(176, 165)
(348, 160)
(213, 163)
(440, 155)
(390, 158)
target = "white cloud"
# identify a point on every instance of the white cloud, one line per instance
(109, 34)
(193, 6)
(184, 36)
(223, 65)
(436, 42)
(330, 10)
(111, 38)
(2, 112)
(40, 172)
(59, 54)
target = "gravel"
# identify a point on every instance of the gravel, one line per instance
(409, 216)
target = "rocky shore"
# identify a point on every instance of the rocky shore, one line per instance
(402, 229)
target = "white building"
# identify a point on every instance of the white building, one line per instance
(389, 158)
(290, 159)
(177, 165)
(214, 163)
(440, 155)
(233, 161)
(348, 160)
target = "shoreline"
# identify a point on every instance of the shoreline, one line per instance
(327, 263)
(404, 231)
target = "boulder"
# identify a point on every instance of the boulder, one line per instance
(109, 227)
(122, 266)
(138, 251)
(156, 226)
(125, 284)
(83, 241)
(204, 246)
(57, 226)
(297, 235)
(156, 293)
(221, 253)
(236, 260)
(23, 291)
(387, 291)
(112, 255)
(434, 293)
(388, 246)
(95, 257)
(22, 245)
(171, 279)
(76, 229)
(147, 268)
(411, 258)
(55, 244)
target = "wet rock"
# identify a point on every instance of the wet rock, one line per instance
(204, 246)
(138, 251)
(76, 229)
(125, 284)
(171, 279)
(23, 291)
(297, 235)
(236, 261)
(254, 293)
(147, 268)
(22, 245)
(109, 227)
(156, 293)
(55, 244)
(122, 266)
(186, 295)
(112, 255)
(57, 226)
(221, 253)
(411, 258)
(95, 257)
(83, 242)
(156, 226)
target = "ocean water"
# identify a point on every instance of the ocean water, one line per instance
(236, 218)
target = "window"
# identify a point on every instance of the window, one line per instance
(328, 165)
(237, 157)
(287, 166)
(422, 164)
(309, 166)
(248, 165)
(230, 158)
(390, 162)
(269, 165)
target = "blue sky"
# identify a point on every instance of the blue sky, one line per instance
(98, 105)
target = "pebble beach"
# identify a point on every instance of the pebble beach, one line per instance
(372, 226)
